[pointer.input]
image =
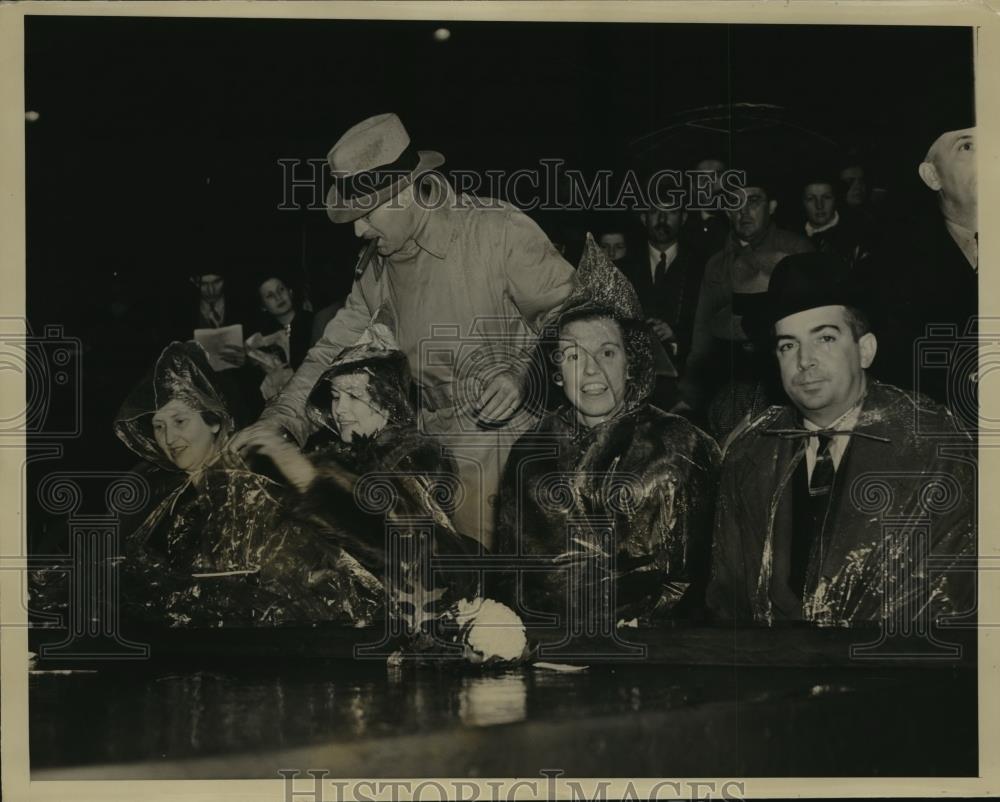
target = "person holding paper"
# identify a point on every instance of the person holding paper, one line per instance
(214, 317)
(216, 311)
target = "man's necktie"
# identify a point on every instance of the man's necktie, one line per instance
(816, 503)
(823, 470)
(213, 314)
(661, 269)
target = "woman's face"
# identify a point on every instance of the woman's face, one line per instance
(593, 368)
(275, 297)
(352, 407)
(613, 244)
(183, 435)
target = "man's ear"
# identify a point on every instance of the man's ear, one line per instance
(642, 218)
(214, 428)
(772, 206)
(929, 175)
(684, 217)
(868, 345)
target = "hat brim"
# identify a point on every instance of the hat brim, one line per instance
(341, 210)
(759, 324)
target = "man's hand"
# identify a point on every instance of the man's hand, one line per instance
(500, 399)
(661, 329)
(285, 454)
(240, 442)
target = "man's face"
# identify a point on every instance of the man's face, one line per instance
(857, 187)
(210, 286)
(820, 203)
(953, 156)
(352, 407)
(592, 368)
(750, 221)
(662, 225)
(393, 223)
(822, 365)
(713, 166)
(613, 244)
(275, 297)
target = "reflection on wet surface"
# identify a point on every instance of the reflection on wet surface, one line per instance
(622, 720)
(485, 701)
(120, 716)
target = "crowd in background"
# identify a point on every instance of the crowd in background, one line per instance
(674, 257)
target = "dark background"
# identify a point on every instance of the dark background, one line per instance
(155, 155)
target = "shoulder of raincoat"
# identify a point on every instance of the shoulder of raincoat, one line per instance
(906, 463)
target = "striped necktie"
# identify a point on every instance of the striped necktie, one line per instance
(823, 471)
(807, 539)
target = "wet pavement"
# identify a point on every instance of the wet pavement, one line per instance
(362, 718)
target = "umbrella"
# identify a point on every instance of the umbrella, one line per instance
(745, 135)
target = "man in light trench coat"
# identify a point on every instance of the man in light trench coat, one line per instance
(468, 281)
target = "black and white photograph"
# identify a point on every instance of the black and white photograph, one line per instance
(513, 398)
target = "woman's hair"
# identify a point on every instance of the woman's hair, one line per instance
(584, 315)
(636, 343)
(211, 418)
(384, 389)
(626, 327)
(208, 416)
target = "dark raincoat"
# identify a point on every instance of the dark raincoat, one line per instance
(635, 493)
(902, 506)
(222, 550)
(387, 498)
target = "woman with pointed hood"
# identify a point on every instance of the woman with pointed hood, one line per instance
(607, 479)
(369, 452)
(218, 548)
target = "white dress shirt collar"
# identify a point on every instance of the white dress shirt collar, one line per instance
(654, 257)
(838, 445)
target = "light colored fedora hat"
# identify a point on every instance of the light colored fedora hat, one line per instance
(370, 164)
